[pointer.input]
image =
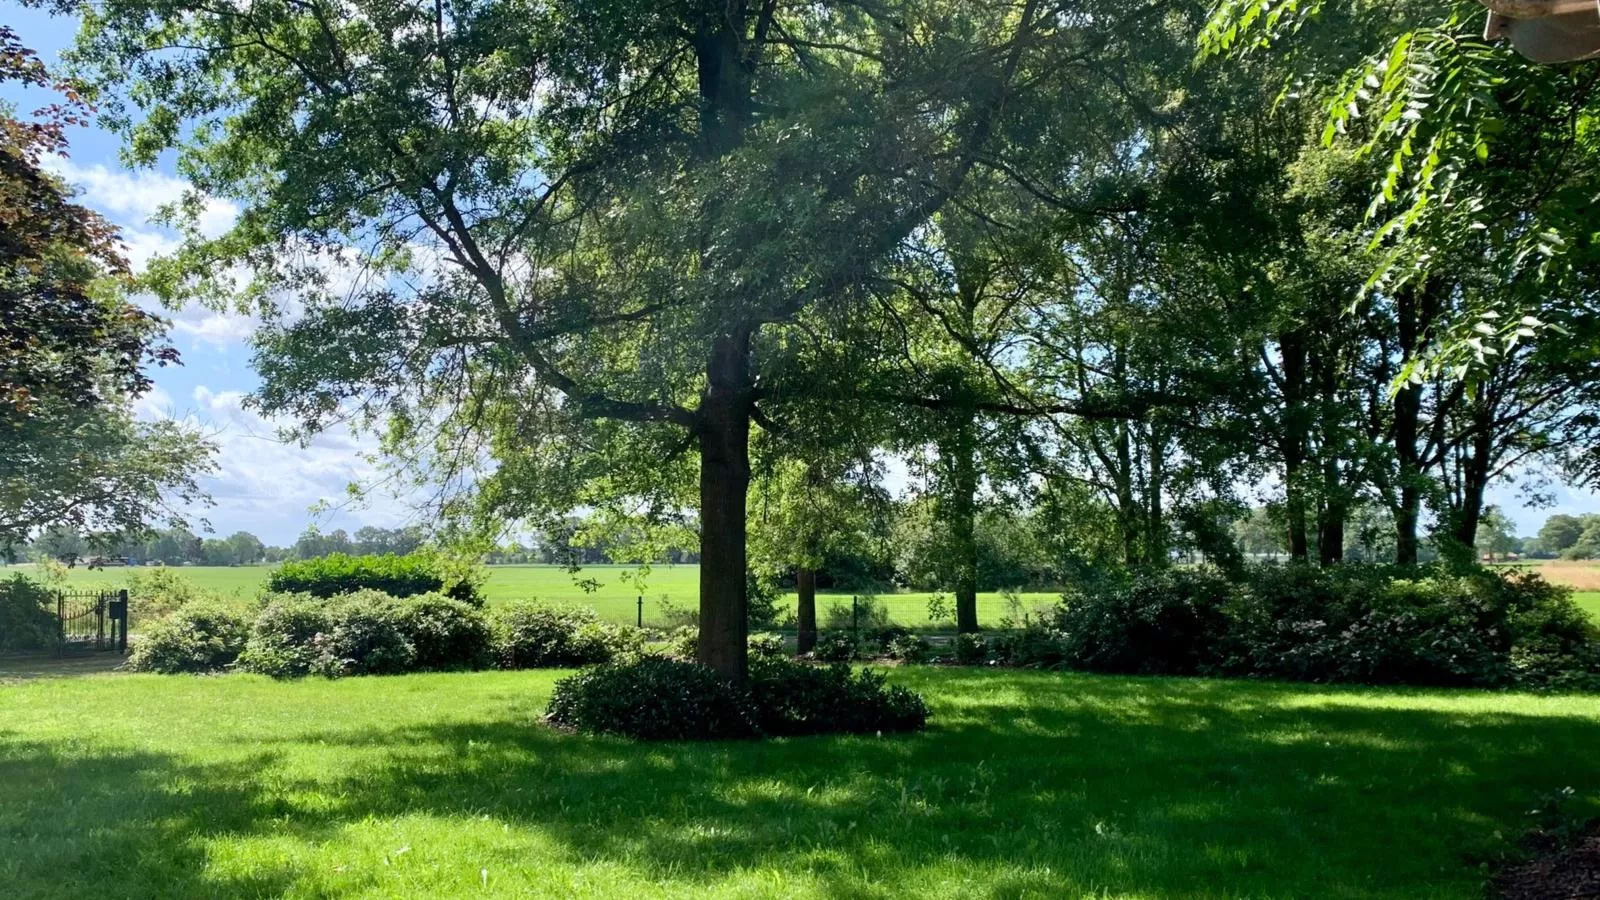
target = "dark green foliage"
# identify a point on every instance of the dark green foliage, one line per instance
(878, 639)
(530, 636)
(201, 637)
(1350, 623)
(340, 573)
(365, 637)
(684, 643)
(792, 698)
(908, 648)
(283, 639)
(661, 699)
(653, 699)
(1165, 622)
(836, 646)
(766, 646)
(446, 634)
(970, 649)
(761, 600)
(865, 613)
(26, 618)
(1034, 646)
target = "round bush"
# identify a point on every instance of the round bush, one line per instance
(531, 636)
(792, 698)
(200, 637)
(766, 646)
(684, 643)
(653, 699)
(284, 638)
(446, 634)
(27, 620)
(908, 648)
(1168, 622)
(970, 649)
(835, 646)
(364, 638)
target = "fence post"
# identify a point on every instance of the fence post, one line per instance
(855, 616)
(641, 610)
(61, 623)
(100, 621)
(127, 616)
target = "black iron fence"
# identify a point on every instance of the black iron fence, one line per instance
(92, 620)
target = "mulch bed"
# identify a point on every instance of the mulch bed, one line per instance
(1566, 870)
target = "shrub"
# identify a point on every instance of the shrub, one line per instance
(835, 646)
(661, 699)
(530, 636)
(201, 637)
(767, 646)
(1376, 624)
(283, 640)
(364, 637)
(446, 634)
(793, 698)
(868, 614)
(1168, 622)
(26, 618)
(1034, 646)
(970, 649)
(156, 591)
(397, 576)
(607, 642)
(684, 643)
(653, 699)
(908, 648)
(878, 639)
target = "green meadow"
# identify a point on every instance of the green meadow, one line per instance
(613, 591)
(1026, 785)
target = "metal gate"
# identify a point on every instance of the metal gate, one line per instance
(92, 620)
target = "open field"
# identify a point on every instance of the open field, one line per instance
(614, 595)
(613, 592)
(1027, 785)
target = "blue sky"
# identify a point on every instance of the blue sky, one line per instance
(266, 486)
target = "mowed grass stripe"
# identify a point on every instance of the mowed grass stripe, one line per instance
(1027, 785)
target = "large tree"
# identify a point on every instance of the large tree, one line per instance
(584, 229)
(73, 350)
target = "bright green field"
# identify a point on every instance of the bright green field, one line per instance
(1589, 600)
(614, 595)
(1028, 785)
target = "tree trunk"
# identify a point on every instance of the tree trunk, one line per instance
(963, 505)
(724, 431)
(1330, 535)
(1413, 314)
(1295, 431)
(1475, 478)
(805, 584)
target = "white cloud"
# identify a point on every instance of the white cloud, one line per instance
(123, 194)
(265, 485)
(217, 329)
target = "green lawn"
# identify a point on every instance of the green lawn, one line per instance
(610, 590)
(1589, 600)
(1027, 785)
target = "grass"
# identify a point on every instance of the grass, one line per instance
(1027, 785)
(610, 590)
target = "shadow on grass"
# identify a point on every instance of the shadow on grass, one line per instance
(111, 824)
(1029, 784)
(27, 666)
